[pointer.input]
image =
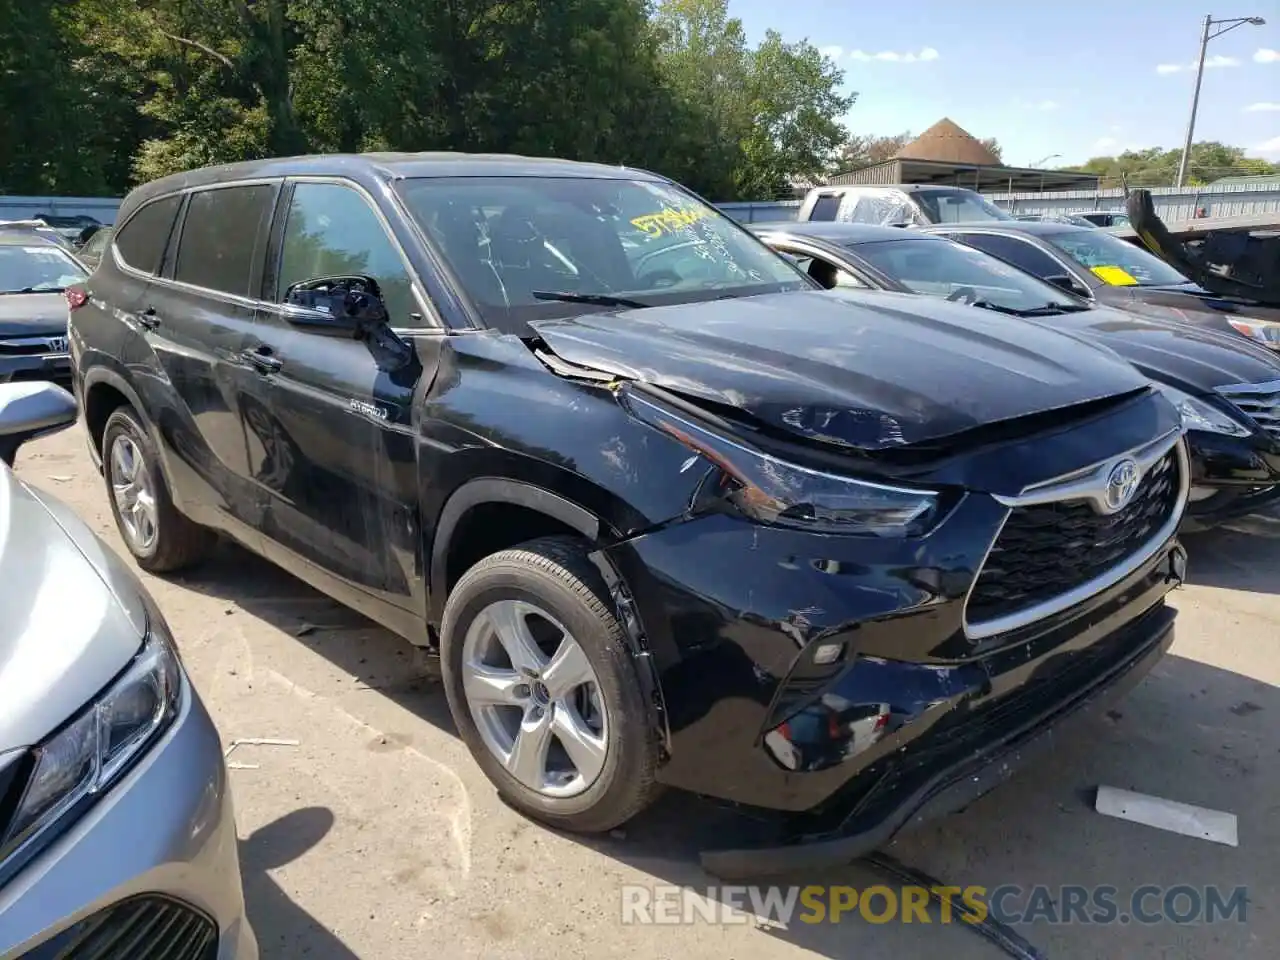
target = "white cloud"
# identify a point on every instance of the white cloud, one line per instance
(1270, 148)
(892, 56)
(1262, 107)
(1102, 144)
(832, 52)
(1210, 63)
(1263, 55)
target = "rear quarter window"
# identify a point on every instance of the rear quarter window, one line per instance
(141, 241)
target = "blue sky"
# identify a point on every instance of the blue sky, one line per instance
(1045, 78)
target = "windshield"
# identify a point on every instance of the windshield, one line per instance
(43, 269)
(942, 268)
(511, 241)
(1114, 261)
(958, 206)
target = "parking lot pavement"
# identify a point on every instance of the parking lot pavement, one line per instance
(377, 837)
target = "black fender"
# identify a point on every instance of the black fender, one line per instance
(98, 374)
(496, 490)
(500, 490)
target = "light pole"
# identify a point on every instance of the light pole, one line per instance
(1207, 34)
(1052, 156)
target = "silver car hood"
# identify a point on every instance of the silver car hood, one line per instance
(71, 614)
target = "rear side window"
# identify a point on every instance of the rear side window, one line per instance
(825, 208)
(219, 245)
(142, 240)
(1021, 254)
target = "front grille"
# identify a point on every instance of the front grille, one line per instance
(1261, 401)
(149, 927)
(53, 344)
(1046, 550)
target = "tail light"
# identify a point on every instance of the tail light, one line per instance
(76, 297)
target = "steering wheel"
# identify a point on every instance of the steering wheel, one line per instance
(963, 295)
(660, 278)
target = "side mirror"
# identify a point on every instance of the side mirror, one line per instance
(348, 306)
(29, 410)
(1069, 284)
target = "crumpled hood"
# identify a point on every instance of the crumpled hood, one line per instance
(72, 618)
(1191, 358)
(29, 314)
(866, 370)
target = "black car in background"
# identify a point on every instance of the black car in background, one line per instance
(34, 273)
(664, 519)
(1104, 268)
(1227, 390)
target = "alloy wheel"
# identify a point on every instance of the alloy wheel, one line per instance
(535, 698)
(134, 498)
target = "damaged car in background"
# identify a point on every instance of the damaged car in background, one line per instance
(1227, 389)
(669, 513)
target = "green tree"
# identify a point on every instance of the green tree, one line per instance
(766, 116)
(1157, 167)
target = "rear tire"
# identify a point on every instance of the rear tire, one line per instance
(573, 700)
(160, 538)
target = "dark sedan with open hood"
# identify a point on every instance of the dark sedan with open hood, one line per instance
(668, 512)
(34, 272)
(1227, 389)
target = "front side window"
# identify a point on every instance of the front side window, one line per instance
(36, 269)
(941, 268)
(1023, 255)
(220, 236)
(331, 231)
(141, 241)
(1114, 261)
(524, 248)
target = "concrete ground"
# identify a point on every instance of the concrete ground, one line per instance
(377, 837)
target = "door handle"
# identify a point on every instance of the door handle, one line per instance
(263, 359)
(148, 319)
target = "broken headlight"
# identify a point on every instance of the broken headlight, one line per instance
(1265, 332)
(777, 492)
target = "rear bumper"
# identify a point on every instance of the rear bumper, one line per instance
(932, 790)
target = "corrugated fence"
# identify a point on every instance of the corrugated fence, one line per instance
(1172, 204)
(1220, 200)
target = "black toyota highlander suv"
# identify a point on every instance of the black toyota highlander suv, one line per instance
(670, 513)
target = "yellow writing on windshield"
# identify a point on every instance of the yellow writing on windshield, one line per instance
(1116, 276)
(668, 220)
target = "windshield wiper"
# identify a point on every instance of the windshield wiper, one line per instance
(601, 299)
(38, 290)
(1048, 310)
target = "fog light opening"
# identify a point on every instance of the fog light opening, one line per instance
(825, 653)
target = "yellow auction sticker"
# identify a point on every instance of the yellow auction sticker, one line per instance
(1116, 276)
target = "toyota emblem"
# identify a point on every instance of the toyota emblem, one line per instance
(1122, 481)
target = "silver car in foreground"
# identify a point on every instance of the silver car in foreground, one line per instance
(117, 840)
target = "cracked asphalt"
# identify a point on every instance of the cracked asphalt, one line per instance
(377, 837)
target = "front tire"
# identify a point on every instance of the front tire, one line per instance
(544, 690)
(160, 538)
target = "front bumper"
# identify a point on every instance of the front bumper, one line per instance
(158, 853)
(54, 367)
(939, 777)
(1230, 477)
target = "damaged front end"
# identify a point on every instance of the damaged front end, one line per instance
(854, 630)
